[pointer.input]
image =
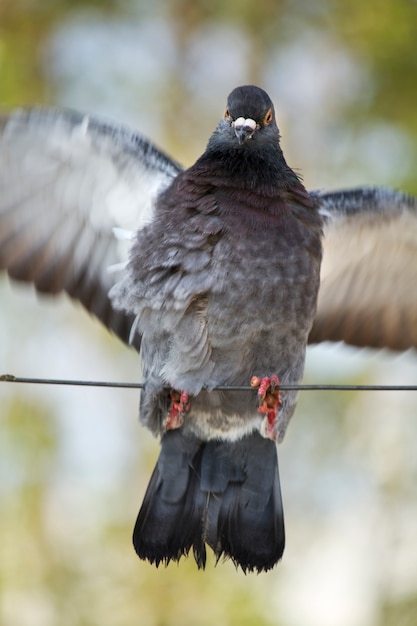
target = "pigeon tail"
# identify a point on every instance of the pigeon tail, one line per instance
(220, 493)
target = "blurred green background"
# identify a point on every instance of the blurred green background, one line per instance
(74, 463)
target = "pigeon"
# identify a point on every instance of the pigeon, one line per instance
(220, 275)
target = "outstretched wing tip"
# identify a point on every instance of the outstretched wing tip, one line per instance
(68, 179)
(368, 295)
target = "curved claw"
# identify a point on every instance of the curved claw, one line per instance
(180, 404)
(269, 402)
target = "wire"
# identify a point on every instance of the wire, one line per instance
(9, 378)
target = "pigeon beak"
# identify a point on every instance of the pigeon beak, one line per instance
(244, 129)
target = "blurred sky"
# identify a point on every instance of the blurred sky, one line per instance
(348, 464)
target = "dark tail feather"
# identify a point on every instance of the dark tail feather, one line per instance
(169, 521)
(221, 493)
(251, 520)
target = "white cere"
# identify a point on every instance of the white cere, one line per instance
(246, 123)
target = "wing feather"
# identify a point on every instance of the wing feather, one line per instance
(66, 181)
(368, 291)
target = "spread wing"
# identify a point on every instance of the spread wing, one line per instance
(368, 292)
(67, 181)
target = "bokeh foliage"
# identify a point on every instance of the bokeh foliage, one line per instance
(65, 553)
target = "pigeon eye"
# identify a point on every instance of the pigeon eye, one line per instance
(227, 115)
(268, 117)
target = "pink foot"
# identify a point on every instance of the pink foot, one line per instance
(269, 402)
(180, 404)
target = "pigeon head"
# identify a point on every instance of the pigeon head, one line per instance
(250, 110)
(249, 118)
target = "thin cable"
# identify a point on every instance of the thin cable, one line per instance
(9, 378)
